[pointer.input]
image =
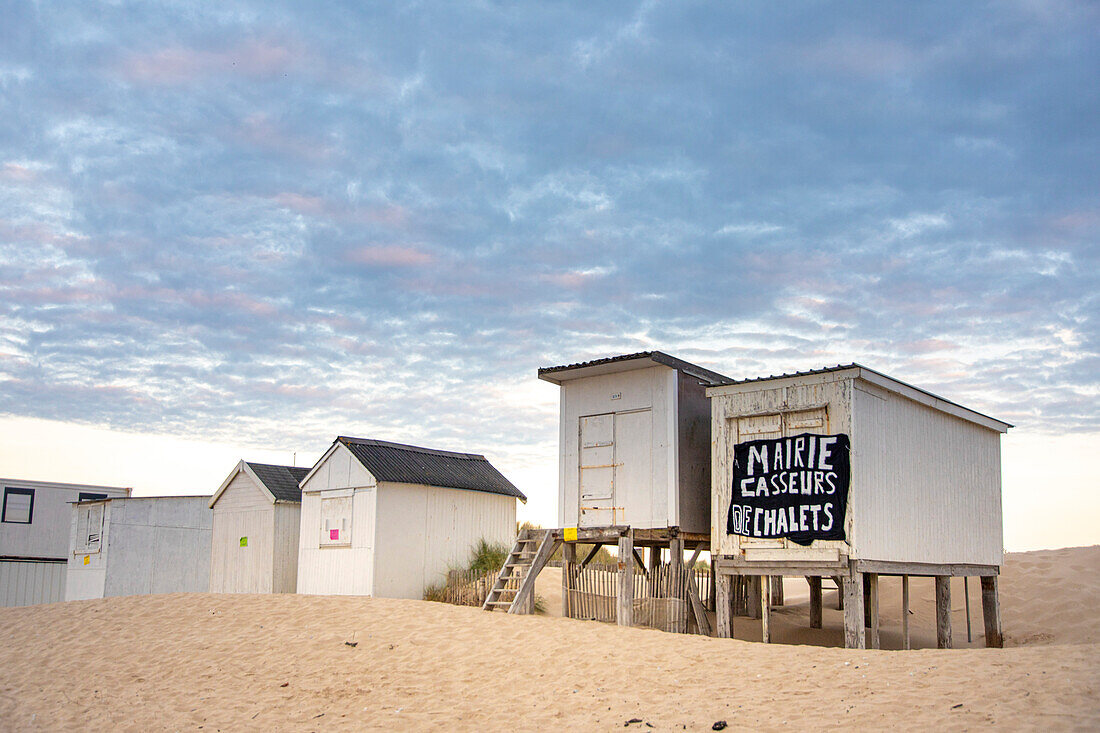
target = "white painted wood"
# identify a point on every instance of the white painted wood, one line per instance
(926, 484)
(243, 511)
(47, 536)
(337, 569)
(27, 583)
(285, 547)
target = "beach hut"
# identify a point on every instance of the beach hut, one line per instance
(850, 474)
(136, 546)
(387, 519)
(34, 537)
(257, 513)
(633, 459)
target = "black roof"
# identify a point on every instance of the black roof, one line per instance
(408, 464)
(281, 481)
(704, 375)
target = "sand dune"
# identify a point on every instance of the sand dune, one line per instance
(218, 662)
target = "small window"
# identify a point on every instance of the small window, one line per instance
(18, 506)
(89, 528)
(336, 521)
(85, 496)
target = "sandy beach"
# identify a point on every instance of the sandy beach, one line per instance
(286, 662)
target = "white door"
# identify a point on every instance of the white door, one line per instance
(634, 468)
(597, 470)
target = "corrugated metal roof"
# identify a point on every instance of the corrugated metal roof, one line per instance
(706, 375)
(409, 464)
(281, 481)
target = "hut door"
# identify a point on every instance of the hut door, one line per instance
(597, 471)
(759, 427)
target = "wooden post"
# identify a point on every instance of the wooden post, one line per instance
(765, 607)
(723, 616)
(815, 601)
(712, 597)
(943, 611)
(625, 610)
(777, 590)
(653, 560)
(839, 593)
(676, 574)
(905, 611)
(873, 603)
(854, 637)
(867, 600)
(752, 596)
(568, 577)
(966, 595)
(991, 609)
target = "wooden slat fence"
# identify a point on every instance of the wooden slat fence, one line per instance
(660, 602)
(466, 587)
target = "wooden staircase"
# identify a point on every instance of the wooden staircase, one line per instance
(514, 588)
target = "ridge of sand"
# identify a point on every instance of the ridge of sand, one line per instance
(281, 662)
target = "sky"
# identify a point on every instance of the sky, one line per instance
(236, 230)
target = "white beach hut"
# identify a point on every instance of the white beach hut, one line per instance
(257, 513)
(34, 537)
(386, 519)
(136, 546)
(851, 474)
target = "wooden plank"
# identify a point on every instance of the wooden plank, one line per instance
(839, 593)
(867, 600)
(525, 596)
(676, 574)
(991, 610)
(815, 601)
(625, 610)
(641, 563)
(873, 603)
(777, 590)
(723, 610)
(905, 611)
(808, 555)
(765, 608)
(734, 566)
(854, 638)
(568, 578)
(694, 558)
(885, 567)
(697, 608)
(753, 595)
(591, 554)
(943, 612)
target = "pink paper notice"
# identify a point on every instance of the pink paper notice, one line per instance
(334, 534)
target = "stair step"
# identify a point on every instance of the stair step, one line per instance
(498, 603)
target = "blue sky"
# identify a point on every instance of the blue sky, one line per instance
(262, 225)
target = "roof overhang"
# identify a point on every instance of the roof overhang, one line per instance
(625, 363)
(241, 466)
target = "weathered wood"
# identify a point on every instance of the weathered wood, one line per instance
(694, 558)
(815, 601)
(525, 596)
(839, 592)
(723, 609)
(753, 595)
(943, 612)
(568, 578)
(966, 597)
(654, 563)
(905, 611)
(735, 566)
(854, 637)
(712, 599)
(873, 603)
(591, 554)
(926, 569)
(867, 600)
(765, 608)
(676, 567)
(701, 619)
(625, 610)
(991, 610)
(641, 563)
(777, 590)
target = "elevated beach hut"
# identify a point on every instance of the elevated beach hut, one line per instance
(257, 514)
(633, 458)
(35, 519)
(136, 546)
(387, 519)
(851, 474)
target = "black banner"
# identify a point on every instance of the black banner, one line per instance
(794, 487)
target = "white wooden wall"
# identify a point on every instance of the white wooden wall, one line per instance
(25, 583)
(48, 534)
(243, 510)
(423, 531)
(288, 517)
(654, 389)
(347, 571)
(929, 483)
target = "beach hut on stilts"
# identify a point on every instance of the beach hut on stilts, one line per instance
(634, 473)
(848, 474)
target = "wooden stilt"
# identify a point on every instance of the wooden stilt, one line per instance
(991, 610)
(568, 578)
(712, 598)
(723, 616)
(752, 594)
(905, 611)
(777, 590)
(765, 608)
(873, 603)
(943, 611)
(676, 567)
(854, 638)
(625, 610)
(867, 600)
(839, 593)
(653, 560)
(815, 601)
(966, 595)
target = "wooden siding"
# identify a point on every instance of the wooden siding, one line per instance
(423, 531)
(926, 484)
(287, 524)
(693, 419)
(243, 510)
(24, 583)
(337, 570)
(158, 545)
(47, 536)
(339, 469)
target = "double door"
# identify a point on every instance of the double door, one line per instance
(616, 469)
